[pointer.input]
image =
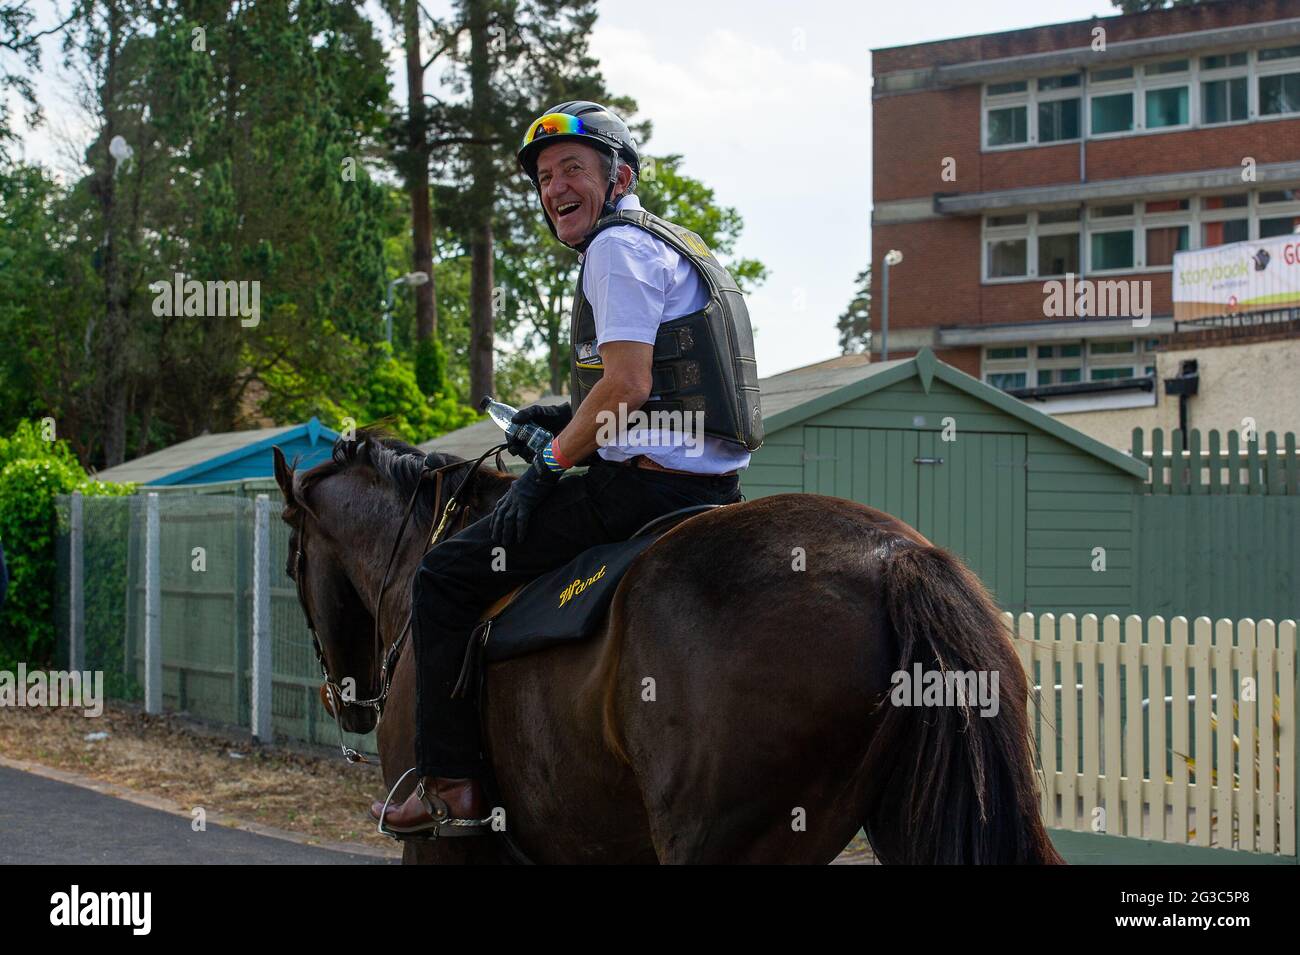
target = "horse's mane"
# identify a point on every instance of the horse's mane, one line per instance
(397, 463)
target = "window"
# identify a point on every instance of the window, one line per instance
(1007, 380)
(1279, 53)
(1112, 250)
(1058, 120)
(1222, 61)
(1020, 113)
(1058, 254)
(1008, 258)
(1105, 374)
(1221, 233)
(1214, 89)
(1167, 107)
(1169, 66)
(1163, 242)
(1112, 113)
(1158, 206)
(1002, 89)
(1284, 225)
(1010, 367)
(1008, 126)
(1110, 75)
(1112, 211)
(1239, 201)
(1130, 236)
(1051, 216)
(1279, 94)
(1112, 347)
(1223, 101)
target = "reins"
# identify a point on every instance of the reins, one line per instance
(337, 696)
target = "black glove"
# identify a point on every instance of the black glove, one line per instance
(513, 511)
(554, 418)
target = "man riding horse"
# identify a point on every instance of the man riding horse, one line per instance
(658, 326)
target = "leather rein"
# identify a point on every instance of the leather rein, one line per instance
(452, 511)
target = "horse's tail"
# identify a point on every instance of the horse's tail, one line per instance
(952, 782)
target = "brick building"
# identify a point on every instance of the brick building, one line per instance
(1092, 150)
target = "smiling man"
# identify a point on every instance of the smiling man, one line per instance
(657, 326)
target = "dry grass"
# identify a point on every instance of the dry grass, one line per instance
(320, 797)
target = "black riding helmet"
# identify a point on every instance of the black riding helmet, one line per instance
(590, 123)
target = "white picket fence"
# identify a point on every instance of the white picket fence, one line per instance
(1165, 730)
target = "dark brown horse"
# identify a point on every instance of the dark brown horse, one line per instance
(734, 707)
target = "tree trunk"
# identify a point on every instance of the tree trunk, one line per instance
(426, 302)
(482, 194)
(112, 333)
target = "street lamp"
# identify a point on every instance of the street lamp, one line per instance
(892, 257)
(410, 278)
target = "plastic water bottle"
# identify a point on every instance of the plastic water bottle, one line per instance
(534, 436)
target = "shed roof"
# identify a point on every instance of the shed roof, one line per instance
(186, 461)
(925, 366)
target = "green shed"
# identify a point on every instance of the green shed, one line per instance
(1042, 512)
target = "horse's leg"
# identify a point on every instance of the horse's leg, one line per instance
(749, 742)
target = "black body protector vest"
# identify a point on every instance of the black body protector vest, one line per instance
(703, 362)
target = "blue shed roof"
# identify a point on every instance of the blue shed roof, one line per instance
(229, 456)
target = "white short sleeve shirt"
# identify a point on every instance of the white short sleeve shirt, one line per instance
(635, 281)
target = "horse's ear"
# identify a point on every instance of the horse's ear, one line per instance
(283, 474)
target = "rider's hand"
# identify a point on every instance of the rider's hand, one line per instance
(554, 418)
(513, 511)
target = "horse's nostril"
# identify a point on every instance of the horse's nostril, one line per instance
(325, 699)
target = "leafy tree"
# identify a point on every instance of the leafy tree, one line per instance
(854, 323)
(33, 472)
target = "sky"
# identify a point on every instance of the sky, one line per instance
(769, 103)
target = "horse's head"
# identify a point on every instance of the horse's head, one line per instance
(346, 515)
(336, 612)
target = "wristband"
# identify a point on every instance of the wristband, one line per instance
(552, 458)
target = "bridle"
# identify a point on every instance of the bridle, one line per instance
(452, 509)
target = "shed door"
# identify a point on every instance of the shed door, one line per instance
(967, 495)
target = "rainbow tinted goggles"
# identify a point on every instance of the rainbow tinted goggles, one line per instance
(554, 124)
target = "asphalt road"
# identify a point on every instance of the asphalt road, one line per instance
(44, 821)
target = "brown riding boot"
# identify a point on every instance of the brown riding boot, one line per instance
(451, 807)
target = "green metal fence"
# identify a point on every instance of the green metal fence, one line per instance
(175, 571)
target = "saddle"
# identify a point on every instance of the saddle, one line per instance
(562, 605)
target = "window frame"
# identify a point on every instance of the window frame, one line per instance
(1135, 361)
(1137, 84)
(1029, 98)
(1194, 217)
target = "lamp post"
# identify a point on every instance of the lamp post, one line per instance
(892, 257)
(410, 278)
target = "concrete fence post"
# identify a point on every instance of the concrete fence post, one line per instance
(261, 631)
(76, 585)
(152, 608)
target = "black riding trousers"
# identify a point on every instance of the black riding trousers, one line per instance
(457, 581)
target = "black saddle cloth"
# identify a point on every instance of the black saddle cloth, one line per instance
(569, 603)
